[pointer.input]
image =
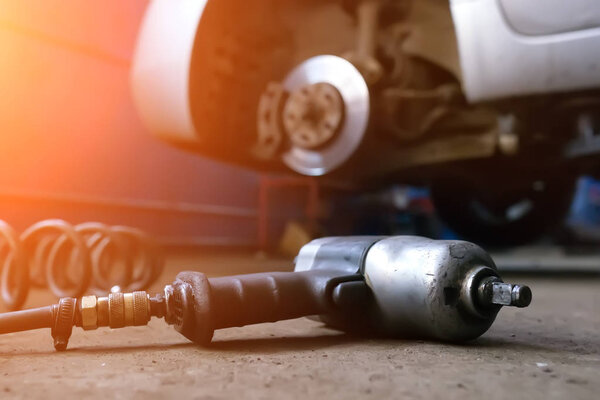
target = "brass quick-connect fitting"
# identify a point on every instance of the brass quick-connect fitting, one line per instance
(89, 313)
(118, 310)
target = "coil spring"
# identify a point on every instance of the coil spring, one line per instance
(70, 260)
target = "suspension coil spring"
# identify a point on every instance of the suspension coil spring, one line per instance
(73, 259)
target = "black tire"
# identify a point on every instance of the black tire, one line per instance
(502, 211)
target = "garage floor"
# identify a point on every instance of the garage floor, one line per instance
(550, 350)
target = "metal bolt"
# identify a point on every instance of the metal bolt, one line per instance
(501, 293)
(492, 291)
(521, 296)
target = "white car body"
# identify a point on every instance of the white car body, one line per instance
(506, 48)
(524, 47)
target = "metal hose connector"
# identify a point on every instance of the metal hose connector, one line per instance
(74, 259)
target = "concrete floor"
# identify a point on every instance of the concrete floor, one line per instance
(550, 350)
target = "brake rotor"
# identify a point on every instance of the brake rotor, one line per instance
(339, 130)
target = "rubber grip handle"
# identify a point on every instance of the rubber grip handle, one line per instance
(268, 297)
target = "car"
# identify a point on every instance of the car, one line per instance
(494, 104)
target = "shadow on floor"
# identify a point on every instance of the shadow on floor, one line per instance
(310, 343)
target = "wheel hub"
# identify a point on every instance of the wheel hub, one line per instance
(313, 115)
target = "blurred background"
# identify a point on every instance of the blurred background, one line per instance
(73, 147)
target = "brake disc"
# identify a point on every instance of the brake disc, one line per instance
(322, 152)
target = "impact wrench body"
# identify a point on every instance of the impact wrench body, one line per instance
(401, 286)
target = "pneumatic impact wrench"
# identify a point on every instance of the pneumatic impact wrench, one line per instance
(401, 286)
